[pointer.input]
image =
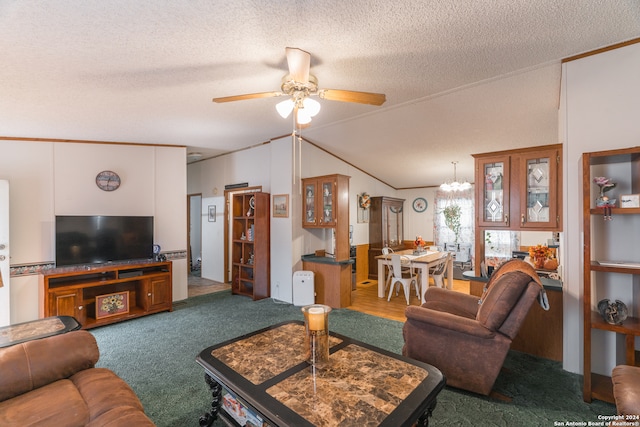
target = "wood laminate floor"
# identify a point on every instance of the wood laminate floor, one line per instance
(364, 298)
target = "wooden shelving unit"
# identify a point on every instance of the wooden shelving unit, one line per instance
(601, 241)
(73, 291)
(251, 245)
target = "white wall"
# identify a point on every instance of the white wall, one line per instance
(284, 254)
(170, 209)
(272, 166)
(599, 111)
(418, 223)
(209, 177)
(212, 245)
(5, 256)
(316, 162)
(49, 178)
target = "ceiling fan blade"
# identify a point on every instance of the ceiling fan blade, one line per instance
(299, 63)
(352, 96)
(247, 96)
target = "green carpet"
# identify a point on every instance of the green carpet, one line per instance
(156, 356)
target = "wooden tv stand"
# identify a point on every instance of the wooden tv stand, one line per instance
(73, 291)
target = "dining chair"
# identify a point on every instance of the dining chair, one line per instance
(397, 262)
(406, 270)
(439, 271)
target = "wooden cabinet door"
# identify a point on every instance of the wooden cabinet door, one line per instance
(319, 202)
(159, 293)
(326, 203)
(492, 191)
(392, 220)
(66, 303)
(538, 190)
(309, 211)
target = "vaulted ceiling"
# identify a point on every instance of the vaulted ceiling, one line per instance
(460, 77)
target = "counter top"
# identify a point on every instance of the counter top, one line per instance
(549, 284)
(325, 259)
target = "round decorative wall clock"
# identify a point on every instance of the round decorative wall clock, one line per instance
(108, 181)
(420, 204)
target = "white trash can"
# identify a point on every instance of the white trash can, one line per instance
(303, 288)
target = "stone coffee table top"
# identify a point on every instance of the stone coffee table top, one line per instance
(40, 328)
(361, 384)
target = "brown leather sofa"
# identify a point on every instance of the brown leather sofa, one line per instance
(467, 337)
(53, 382)
(626, 389)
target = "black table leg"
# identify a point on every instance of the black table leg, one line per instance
(216, 397)
(423, 421)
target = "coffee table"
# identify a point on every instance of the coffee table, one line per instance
(261, 379)
(36, 329)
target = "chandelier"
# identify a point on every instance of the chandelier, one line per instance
(455, 185)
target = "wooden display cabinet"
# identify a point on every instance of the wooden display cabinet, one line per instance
(325, 204)
(607, 239)
(250, 270)
(517, 190)
(520, 189)
(73, 291)
(386, 228)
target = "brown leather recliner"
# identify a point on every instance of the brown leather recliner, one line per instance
(53, 382)
(467, 337)
(626, 389)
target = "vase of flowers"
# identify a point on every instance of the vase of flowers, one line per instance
(539, 254)
(604, 184)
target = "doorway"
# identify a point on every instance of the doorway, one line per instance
(194, 232)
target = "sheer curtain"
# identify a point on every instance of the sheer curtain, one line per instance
(443, 234)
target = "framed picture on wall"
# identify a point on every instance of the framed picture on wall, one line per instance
(280, 206)
(212, 213)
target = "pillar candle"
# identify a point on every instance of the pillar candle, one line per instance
(316, 319)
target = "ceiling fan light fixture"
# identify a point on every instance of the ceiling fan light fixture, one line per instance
(311, 106)
(303, 117)
(285, 108)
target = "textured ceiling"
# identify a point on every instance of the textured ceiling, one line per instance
(461, 77)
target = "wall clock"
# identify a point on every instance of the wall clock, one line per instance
(420, 204)
(108, 181)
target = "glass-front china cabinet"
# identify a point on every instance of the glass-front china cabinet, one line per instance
(386, 228)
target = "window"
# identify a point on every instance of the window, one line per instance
(442, 233)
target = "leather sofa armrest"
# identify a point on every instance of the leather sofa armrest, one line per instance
(33, 364)
(448, 321)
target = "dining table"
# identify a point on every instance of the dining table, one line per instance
(423, 262)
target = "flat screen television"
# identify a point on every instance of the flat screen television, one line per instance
(103, 239)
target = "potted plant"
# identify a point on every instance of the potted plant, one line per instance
(452, 219)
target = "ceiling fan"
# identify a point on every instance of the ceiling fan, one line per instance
(299, 85)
